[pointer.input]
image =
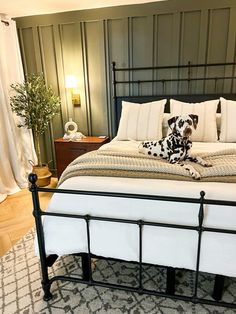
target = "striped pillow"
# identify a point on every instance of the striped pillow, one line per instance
(228, 115)
(206, 130)
(141, 122)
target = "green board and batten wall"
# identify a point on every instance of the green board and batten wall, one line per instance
(84, 43)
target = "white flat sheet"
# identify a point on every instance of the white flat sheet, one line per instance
(163, 246)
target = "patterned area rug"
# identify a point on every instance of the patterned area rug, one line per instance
(20, 287)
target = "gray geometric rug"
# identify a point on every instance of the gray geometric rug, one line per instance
(20, 287)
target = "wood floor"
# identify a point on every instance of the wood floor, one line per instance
(16, 216)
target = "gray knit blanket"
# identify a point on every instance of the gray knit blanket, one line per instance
(136, 165)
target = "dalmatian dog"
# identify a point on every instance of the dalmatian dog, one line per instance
(176, 146)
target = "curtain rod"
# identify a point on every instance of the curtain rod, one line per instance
(5, 22)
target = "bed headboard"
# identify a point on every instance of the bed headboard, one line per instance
(188, 83)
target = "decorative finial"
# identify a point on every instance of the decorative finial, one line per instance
(32, 177)
(202, 193)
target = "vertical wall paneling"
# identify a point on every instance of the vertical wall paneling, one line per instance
(202, 51)
(80, 111)
(22, 49)
(175, 50)
(57, 122)
(155, 54)
(117, 50)
(108, 79)
(218, 28)
(189, 49)
(229, 86)
(95, 52)
(163, 46)
(130, 53)
(28, 49)
(70, 35)
(48, 52)
(61, 77)
(86, 79)
(37, 53)
(142, 51)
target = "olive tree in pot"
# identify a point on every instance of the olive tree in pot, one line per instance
(36, 104)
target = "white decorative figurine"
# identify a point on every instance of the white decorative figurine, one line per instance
(71, 131)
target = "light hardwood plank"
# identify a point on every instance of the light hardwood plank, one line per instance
(16, 217)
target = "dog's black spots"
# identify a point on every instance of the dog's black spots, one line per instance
(162, 149)
(176, 158)
(155, 144)
(155, 154)
(149, 153)
(161, 155)
(180, 124)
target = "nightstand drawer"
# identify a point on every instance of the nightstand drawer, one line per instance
(67, 151)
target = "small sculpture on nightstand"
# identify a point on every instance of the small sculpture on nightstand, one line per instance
(71, 131)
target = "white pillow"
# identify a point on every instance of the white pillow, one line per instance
(141, 122)
(206, 130)
(228, 117)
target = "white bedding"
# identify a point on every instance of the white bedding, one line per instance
(163, 246)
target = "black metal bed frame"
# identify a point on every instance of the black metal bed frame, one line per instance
(87, 278)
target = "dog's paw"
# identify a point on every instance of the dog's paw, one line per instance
(196, 175)
(141, 148)
(207, 164)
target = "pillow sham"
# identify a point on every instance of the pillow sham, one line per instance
(206, 130)
(141, 122)
(228, 116)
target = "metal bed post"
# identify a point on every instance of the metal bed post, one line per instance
(114, 82)
(46, 284)
(140, 225)
(86, 261)
(170, 280)
(200, 221)
(218, 287)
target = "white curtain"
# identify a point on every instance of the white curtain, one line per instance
(16, 144)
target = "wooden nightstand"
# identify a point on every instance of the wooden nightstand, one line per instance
(67, 151)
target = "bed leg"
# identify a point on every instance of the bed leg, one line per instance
(40, 235)
(50, 260)
(170, 281)
(86, 266)
(46, 289)
(218, 287)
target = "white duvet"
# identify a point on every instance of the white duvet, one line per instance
(162, 246)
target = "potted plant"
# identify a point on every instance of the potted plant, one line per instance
(36, 104)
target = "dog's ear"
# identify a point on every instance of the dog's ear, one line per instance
(171, 122)
(194, 117)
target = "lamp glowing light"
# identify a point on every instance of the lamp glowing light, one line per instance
(71, 83)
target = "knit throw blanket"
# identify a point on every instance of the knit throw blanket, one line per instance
(137, 165)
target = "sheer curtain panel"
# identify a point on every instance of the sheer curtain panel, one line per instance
(16, 144)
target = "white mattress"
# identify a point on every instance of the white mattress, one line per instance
(163, 246)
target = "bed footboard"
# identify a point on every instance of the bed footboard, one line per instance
(86, 257)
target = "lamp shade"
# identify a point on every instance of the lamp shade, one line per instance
(71, 81)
